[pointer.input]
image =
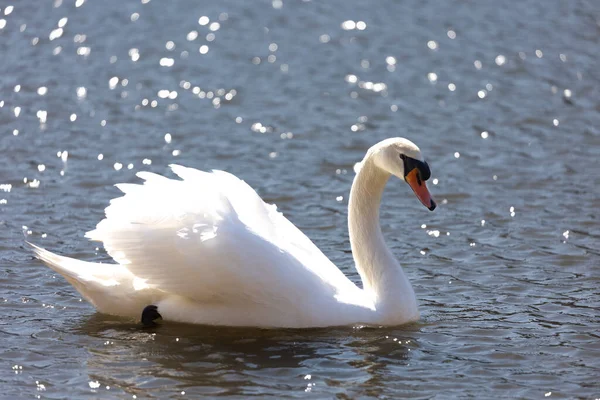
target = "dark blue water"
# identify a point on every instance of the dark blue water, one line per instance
(502, 97)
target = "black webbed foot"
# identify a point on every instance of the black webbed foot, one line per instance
(149, 315)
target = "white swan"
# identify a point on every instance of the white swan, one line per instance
(206, 249)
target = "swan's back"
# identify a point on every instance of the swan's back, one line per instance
(210, 239)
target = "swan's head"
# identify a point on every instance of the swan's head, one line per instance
(402, 158)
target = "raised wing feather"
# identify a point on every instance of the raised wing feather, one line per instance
(211, 238)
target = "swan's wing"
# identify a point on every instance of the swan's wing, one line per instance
(211, 238)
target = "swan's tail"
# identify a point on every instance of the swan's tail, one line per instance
(111, 288)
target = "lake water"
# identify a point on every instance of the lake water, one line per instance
(502, 97)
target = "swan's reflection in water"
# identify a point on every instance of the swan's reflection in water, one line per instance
(204, 360)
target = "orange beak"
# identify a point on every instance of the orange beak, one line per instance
(420, 188)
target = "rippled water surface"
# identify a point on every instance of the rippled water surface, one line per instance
(502, 97)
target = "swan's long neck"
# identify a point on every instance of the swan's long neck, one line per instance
(382, 276)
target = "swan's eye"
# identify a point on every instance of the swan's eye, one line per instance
(421, 166)
(424, 171)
